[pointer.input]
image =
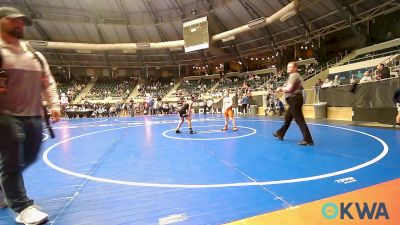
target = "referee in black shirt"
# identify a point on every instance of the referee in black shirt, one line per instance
(294, 98)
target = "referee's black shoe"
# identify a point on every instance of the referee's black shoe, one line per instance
(277, 136)
(305, 143)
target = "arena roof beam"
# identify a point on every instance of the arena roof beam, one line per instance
(178, 8)
(73, 15)
(132, 36)
(205, 60)
(371, 13)
(303, 24)
(101, 36)
(300, 19)
(222, 26)
(162, 35)
(284, 12)
(203, 56)
(318, 32)
(254, 14)
(350, 17)
(384, 8)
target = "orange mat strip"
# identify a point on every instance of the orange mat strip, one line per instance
(382, 200)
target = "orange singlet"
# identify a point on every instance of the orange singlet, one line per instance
(229, 113)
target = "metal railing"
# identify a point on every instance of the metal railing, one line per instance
(323, 66)
(373, 56)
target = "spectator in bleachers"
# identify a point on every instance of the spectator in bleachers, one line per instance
(389, 36)
(210, 104)
(366, 78)
(245, 103)
(245, 85)
(352, 80)
(327, 83)
(113, 111)
(194, 86)
(310, 69)
(256, 83)
(279, 106)
(270, 107)
(110, 88)
(317, 88)
(124, 109)
(63, 103)
(71, 88)
(318, 83)
(151, 106)
(119, 108)
(336, 81)
(383, 71)
(155, 107)
(165, 108)
(158, 105)
(130, 107)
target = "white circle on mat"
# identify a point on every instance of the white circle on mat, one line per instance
(194, 138)
(221, 185)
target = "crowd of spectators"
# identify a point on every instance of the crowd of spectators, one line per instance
(370, 74)
(252, 82)
(194, 86)
(111, 88)
(71, 88)
(307, 70)
(155, 88)
(121, 109)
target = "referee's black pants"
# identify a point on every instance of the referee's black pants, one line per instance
(295, 105)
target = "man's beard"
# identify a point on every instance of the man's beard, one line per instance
(17, 33)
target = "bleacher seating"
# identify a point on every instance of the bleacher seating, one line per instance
(158, 88)
(71, 88)
(111, 88)
(195, 86)
(258, 82)
(231, 83)
(376, 54)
